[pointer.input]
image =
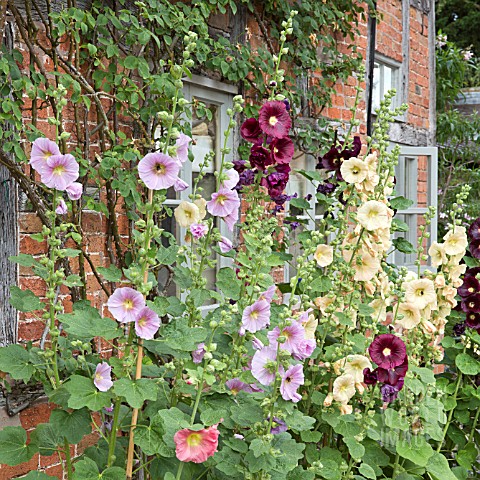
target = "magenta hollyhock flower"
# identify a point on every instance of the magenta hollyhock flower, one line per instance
(103, 377)
(260, 157)
(60, 171)
(232, 179)
(62, 208)
(250, 130)
(74, 191)
(223, 202)
(474, 230)
(182, 143)
(471, 303)
(196, 446)
(469, 286)
(393, 375)
(158, 171)
(199, 353)
(387, 351)
(42, 150)
(198, 230)
(280, 426)
(264, 364)
(225, 245)
(282, 150)
(256, 317)
(125, 304)
(274, 119)
(291, 380)
(147, 323)
(294, 334)
(235, 385)
(180, 185)
(472, 320)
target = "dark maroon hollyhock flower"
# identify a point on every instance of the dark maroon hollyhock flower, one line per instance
(354, 151)
(332, 160)
(369, 376)
(473, 271)
(474, 230)
(250, 130)
(239, 165)
(283, 168)
(469, 286)
(274, 119)
(471, 303)
(393, 375)
(459, 328)
(282, 150)
(247, 177)
(260, 157)
(278, 426)
(326, 188)
(387, 351)
(472, 320)
(275, 183)
(474, 248)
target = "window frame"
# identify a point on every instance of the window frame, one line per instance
(397, 82)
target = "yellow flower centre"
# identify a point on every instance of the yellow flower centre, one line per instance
(372, 213)
(471, 289)
(355, 171)
(254, 315)
(159, 168)
(142, 322)
(221, 199)
(194, 439)
(47, 155)
(128, 304)
(275, 150)
(420, 292)
(387, 352)
(58, 170)
(472, 317)
(98, 377)
(273, 121)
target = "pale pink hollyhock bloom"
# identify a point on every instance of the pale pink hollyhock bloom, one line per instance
(235, 385)
(304, 349)
(264, 363)
(103, 377)
(158, 171)
(232, 180)
(291, 380)
(232, 218)
(256, 317)
(198, 230)
(146, 323)
(268, 294)
(180, 185)
(199, 353)
(42, 150)
(60, 171)
(125, 304)
(62, 208)
(257, 344)
(294, 335)
(225, 245)
(182, 148)
(223, 202)
(196, 446)
(74, 191)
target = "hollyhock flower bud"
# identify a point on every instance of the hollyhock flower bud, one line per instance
(196, 446)
(74, 191)
(103, 377)
(225, 245)
(62, 208)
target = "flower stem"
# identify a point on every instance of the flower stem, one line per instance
(68, 459)
(450, 414)
(113, 435)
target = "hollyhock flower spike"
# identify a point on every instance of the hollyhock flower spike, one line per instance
(292, 379)
(196, 446)
(103, 377)
(125, 304)
(62, 208)
(74, 191)
(256, 317)
(274, 119)
(42, 150)
(264, 363)
(60, 171)
(387, 351)
(158, 171)
(147, 324)
(250, 130)
(199, 353)
(223, 202)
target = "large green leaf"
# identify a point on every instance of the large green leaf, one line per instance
(172, 420)
(38, 476)
(150, 438)
(73, 425)
(111, 273)
(24, 300)
(15, 360)
(136, 391)
(83, 393)
(437, 466)
(47, 438)
(417, 450)
(87, 469)
(228, 283)
(13, 446)
(467, 364)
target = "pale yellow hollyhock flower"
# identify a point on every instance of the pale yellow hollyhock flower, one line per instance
(439, 281)
(437, 254)
(456, 271)
(353, 365)
(354, 170)
(411, 316)
(310, 327)
(201, 203)
(374, 214)
(323, 255)
(455, 241)
(420, 293)
(343, 388)
(345, 409)
(372, 162)
(187, 214)
(365, 265)
(449, 293)
(428, 327)
(328, 400)
(380, 307)
(323, 302)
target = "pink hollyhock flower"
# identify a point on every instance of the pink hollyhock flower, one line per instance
(264, 364)
(103, 377)
(294, 334)
(62, 208)
(180, 185)
(291, 380)
(158, 171)
(196, 446)
(268, 294)
(74, 191)
(198, 230)
(232, 180)
(274, 119)
(256, 317)
(304, 349)
(232, 218)
(125, 304)
(387, 351)
(182, 143)
(146, 323)
(60, 171)
(42, 150)
(199, 353)
(257, 344)
(235, 385)
(282, 150)
(225, 245)
(250, 130)
(223, 202)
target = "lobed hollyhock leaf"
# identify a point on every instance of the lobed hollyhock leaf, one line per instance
(111, 273)
(150, 438)
(87, 469)
(47, 438)
(136, 392)
(15, 361)
(400, 203)
(228, 283)
(13, 446)
(438, 468)
(467, 364)
(24, 300)
(417, 450)
(37, 476)
(83, 393)
(24, 260)
(467, 456)
(172, 420)
(73, 425)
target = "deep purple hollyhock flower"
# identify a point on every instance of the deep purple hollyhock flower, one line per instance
(281, 199)
(239, 165)
(474, 230)
(287, 104)
(474, 248)
(354, 151)
(472, 320)
(283, 168)
(199, 353)
(291, 381)
(387, 351)
(332, 160)
(293, 225)
(276, 183)
(103, 377)
(369, 376)
(274, 119)
(469, 286)
(459, 328)
(473, 271)
(250, 130)
(247, 177)
(280, 426)
(393, 375)
(260, 157)
(264, 364)
(389, 393)
(235, 385)
(282, 150)
(471, 303)
(326, 188)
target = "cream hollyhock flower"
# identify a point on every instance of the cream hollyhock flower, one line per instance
(456, 271)
(201, 203)
(411, 316)
(372, 162)
(323, 255)
(380, 310)
(420, 293)
(310, 327)
(343, 388)
(373, 215)
(353, 365)
(428, 327)
(323, 302)
(437, 254)
(365, 265)
(455, 241)
(354, 170)
(449, 293)
(328, 400)
(187, 214)
(345, 409)
(439, 281)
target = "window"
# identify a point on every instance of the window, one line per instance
(386, 75)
